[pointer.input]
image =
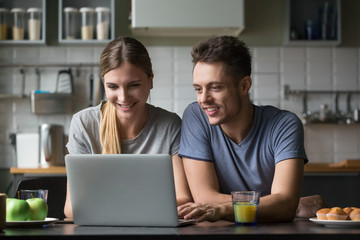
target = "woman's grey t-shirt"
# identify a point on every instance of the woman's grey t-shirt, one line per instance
(161, 133)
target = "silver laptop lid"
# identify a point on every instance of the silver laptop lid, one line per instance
(122, 189)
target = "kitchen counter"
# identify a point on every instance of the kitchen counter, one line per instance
(342, 167)
(49, 170)
(299, 229)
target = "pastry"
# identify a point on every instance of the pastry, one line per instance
(321, 214)
(355, 215)
(336, 213)
(348, 210)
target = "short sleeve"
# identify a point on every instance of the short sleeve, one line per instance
(195, 134)
(76, 143)
(288, 138)
(175, 132)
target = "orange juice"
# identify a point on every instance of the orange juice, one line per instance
(245, 213)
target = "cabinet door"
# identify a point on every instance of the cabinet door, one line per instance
(187, 17)
(313, 22)
(28, 26)
(77, 19)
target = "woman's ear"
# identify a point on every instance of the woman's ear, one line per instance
(245, 85)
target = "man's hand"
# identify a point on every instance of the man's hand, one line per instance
(308, 206)
(203, 212)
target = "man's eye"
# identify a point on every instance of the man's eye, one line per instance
(134, 85)
(215, 88)
(197, 89)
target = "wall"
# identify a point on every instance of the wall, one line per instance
(273, 67)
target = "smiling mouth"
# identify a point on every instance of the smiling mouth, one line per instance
(126, 106)
(211, 110)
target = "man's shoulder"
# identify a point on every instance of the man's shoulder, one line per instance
(275, 113)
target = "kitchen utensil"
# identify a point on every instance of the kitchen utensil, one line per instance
(64, 83)
(52, 145)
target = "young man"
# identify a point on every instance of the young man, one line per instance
(229, 144)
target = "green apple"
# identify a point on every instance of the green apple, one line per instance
(17, 210)
(38, 208)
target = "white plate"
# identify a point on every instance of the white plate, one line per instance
(30, 223)
(336, 223)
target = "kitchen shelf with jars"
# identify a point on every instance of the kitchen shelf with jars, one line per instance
(86, 21)
(325, 115)
(312, 23)
(22, 21)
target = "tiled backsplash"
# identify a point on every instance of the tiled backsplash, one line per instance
(273, 67)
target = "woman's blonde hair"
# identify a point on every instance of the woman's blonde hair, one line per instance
(118, 51)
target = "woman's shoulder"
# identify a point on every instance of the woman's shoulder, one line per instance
(89, 114)
(160, 114)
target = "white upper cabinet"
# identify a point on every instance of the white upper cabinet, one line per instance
(187, 17)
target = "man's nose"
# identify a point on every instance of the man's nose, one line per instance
(204, 96)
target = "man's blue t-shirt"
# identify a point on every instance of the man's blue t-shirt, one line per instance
(275, 135)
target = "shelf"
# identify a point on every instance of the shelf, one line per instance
(25, 4)
(307, 25)
(288, 91)
(90, 3)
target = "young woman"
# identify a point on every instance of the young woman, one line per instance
(126, 123)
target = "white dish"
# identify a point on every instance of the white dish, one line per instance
(336, 223)
(31, 223)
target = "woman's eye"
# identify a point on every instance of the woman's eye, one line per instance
(112, 86)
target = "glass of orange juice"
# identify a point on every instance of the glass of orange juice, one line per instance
(245, 206)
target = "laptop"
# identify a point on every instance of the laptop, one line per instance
(123, 190)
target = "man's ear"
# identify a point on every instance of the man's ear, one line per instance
(245, 85)
(152, 83)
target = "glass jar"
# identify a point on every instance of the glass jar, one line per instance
(3, 23)
(18, 27)
(34, 23)
(70, 23)
(87, 23)
(102, 23)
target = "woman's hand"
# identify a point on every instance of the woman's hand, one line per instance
(202, 212)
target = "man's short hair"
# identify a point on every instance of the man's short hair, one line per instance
(226, 49)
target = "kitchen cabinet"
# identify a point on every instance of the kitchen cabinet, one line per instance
(24, 30)
(187, 17)
(313, 23)
(81, 30)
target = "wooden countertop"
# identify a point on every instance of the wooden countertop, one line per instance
(341, 167)
(348, 165)
(49, 170)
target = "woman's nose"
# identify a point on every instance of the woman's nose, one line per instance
(122, 95)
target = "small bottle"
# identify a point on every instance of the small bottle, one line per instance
(70, 23)
(18, 28)
(102, 25)
(323, 114)
(309, 30)
(87, 23)
(3, 23)
(34, 23)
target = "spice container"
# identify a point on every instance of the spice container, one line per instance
(34, 23)
(18, 28)
(70, 22)
(102, 25)
(87, 23)
(3, 23)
